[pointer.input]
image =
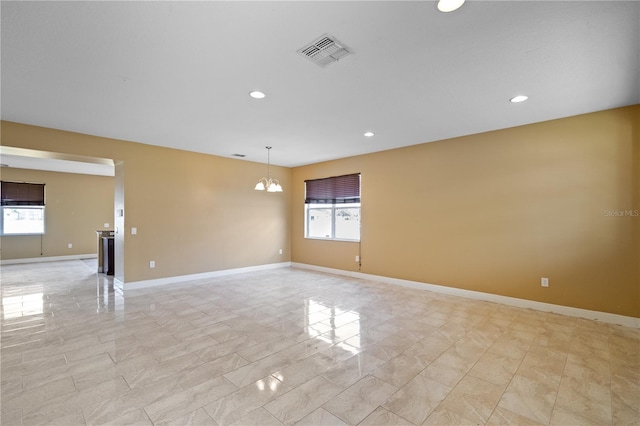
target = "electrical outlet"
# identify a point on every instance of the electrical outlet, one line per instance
(544, 282)
(280, 251)
(152, 264)
(357, 258)
(70, 245)
(106, 225)
(134, 231)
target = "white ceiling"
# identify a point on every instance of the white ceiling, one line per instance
(178, 74)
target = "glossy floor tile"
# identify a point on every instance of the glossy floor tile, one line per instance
(294, 347)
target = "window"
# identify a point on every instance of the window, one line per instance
(22, 208)
(332, 208)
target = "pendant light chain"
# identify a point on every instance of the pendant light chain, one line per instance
(268, 163)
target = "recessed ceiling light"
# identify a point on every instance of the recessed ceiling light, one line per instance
(257, 95)
(369, 134)
(519, 98)
(449, 5)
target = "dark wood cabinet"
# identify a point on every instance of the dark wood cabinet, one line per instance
(108, 266)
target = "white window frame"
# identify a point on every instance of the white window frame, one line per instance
(7, 234)
(334, 208)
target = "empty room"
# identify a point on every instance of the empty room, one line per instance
(320, 213)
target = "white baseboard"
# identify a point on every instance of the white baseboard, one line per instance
(136, 285)
(48, 259)
(477, 295)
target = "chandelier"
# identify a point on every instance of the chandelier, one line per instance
(271, 185)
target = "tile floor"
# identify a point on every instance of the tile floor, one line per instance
(297, 347)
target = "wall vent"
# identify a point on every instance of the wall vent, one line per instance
(324, 50)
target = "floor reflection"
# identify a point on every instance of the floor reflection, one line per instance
(343, 325)
(109, 296)
(269, 384)
(23, 305)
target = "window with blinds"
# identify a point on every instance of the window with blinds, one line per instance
(22, 207)
(332, 208)
(333, 190)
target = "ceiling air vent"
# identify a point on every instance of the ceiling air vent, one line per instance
(324, 51)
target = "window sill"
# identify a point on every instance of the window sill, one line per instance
(332, 239)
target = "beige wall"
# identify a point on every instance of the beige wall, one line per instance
(76, 206)
(194, 213)
(492, 212)
(495, 212)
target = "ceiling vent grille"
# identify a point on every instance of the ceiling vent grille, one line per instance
(324, 51)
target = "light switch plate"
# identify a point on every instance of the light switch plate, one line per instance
(134, 231)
